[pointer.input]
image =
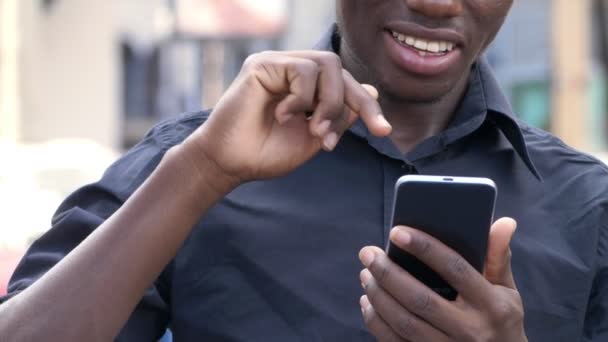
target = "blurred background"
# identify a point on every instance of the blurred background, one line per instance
(83, 80)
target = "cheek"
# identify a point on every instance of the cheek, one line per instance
(490, 8)
(363, 10)
(490, 15)
(360, 20)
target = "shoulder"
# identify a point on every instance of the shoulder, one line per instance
(127, 173)
(551, 149)
(562, 166)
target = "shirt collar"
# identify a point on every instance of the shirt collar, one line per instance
(501, 114)
(483, 102)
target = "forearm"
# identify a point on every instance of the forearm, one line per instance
(90, 294)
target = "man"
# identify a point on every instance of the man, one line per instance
(248, 231)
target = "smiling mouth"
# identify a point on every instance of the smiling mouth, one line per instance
(424, 47)
(421, 51)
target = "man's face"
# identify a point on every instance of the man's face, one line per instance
(418, 50)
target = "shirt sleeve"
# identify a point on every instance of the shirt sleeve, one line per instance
(596, 319)
(86, 209)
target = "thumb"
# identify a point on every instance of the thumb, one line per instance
(498, 261)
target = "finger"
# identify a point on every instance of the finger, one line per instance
(289, 79)
(329, 92)
(403, 322)
(345, 121)
(301, 76)
(451, 266)
(498, 262)
(408, 291)
(361, 102)
(336, 87)
(376, 325)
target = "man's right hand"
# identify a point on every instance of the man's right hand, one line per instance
(249, 136)
(259, 128)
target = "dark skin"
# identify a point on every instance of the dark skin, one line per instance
(396, 306)
(416, 106)
(259, 130)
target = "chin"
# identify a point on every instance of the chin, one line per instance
(416, 92)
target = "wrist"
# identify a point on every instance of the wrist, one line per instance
(203, 172)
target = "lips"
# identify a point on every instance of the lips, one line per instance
(422, 51)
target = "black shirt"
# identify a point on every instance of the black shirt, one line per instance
(277, 260)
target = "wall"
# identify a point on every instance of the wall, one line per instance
(69, 72)
(308, 21)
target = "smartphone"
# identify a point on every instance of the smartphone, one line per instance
(455, 210)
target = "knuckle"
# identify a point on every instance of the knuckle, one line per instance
(458, 266)
(503, 315)
(331, 59)
(274, 64)
(423, 246)
(258, 64)
(500, 311)
(472, 330)
(253, 61)
(249, 65)
(423, 302)
(307, 66)
(506, 312)
(406, 327)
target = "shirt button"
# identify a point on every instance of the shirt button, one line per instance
(408, 168)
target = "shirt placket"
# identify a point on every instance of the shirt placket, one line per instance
(392, 170)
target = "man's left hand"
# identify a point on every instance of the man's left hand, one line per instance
(398, 307)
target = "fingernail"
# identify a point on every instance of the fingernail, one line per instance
(364, 302)
(330, 140)
(402, 237)
(367, 257)
(365, 277)
(324, 127)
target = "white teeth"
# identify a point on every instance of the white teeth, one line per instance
(425, 46)
(421, 44)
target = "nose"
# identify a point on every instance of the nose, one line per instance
(436, 8)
